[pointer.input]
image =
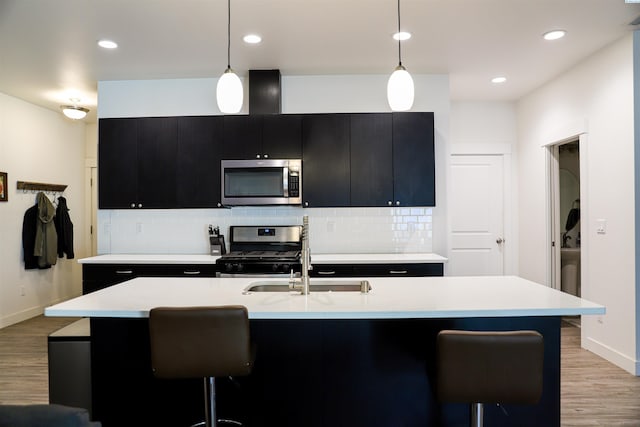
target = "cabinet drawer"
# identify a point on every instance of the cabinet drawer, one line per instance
(332, 270)
(399, 270)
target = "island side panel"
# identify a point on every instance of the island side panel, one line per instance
(314, 373)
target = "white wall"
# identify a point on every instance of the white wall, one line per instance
(37, 145)
(596, 96)
(333, 230)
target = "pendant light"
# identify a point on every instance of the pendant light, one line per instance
(229, 93)
(400, 85)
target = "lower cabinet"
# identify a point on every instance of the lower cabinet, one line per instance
(99, 276)
(378, 270)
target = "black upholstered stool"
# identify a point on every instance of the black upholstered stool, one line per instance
(206, 342)
(489, 367)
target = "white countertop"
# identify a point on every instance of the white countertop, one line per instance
(315, 259)
(417, 297)
(149, 259)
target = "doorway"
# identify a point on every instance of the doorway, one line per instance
(566, 217)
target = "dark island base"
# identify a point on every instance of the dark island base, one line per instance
(312, 373)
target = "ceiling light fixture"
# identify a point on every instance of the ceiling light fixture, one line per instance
(400, 85)
(229, 91)
(554, 35)
(73, 111)
(402, 35)
(107, 44)
(252, 39)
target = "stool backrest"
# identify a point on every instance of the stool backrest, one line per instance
(192, 342)
(490, 367)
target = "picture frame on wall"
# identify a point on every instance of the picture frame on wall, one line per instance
(4, 187)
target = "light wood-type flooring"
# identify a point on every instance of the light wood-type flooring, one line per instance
(593, 391)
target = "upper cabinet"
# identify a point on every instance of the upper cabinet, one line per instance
(262, 137)
(325, 160)
(414, 179)
(199, 154)
(367, 159)
(137, 162)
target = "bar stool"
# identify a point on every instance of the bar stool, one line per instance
(489, 367)
(207, 342)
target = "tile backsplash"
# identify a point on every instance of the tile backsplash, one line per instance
(339, 230)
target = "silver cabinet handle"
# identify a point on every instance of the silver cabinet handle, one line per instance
(326, 273)
(306, 204)
(257, 156)
(397, 202)
(266, 156)
(390, 203)
(397, 271)
(191, 272)
(133, 205)
(139, 205)
(124, 271)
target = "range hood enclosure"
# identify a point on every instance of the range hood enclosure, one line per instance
(265, 94)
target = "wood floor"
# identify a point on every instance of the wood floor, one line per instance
(593, 391)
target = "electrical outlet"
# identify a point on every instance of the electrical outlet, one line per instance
(23, 292)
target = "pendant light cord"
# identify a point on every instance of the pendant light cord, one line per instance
(229, 33)
(399, 48)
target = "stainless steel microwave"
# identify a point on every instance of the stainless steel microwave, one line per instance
(261, 182)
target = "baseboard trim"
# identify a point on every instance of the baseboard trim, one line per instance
(628, 364)
(21, 316)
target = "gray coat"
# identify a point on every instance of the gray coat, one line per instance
(46, 248)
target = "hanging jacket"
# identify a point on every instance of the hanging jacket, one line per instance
(29, 227)
(46, 245)
(64, 229)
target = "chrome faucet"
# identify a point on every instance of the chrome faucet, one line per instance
(302, 285)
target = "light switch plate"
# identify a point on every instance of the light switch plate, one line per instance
(601, 226)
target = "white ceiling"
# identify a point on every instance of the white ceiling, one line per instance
(48, 50)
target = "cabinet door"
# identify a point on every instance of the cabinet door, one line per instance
(157, 150)
(282, 136)
(118, 163)
(198, 168)
(242, 137)
(371, 160)
(413, 159)
(325, 160)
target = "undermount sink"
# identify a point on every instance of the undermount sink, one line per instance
(314, 286)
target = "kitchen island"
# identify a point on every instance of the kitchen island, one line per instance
(326, 359)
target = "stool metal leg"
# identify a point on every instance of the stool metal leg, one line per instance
(210, 418)
(477, 415)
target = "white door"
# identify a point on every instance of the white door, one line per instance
(476, 206)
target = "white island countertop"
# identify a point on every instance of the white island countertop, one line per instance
(389, 298)
(317, 259)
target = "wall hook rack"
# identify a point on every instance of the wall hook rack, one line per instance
(41, 186)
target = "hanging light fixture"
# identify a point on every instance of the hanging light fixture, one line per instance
(400, 85)
(229, 91)
(73, 111)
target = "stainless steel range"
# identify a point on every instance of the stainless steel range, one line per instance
(260, 251)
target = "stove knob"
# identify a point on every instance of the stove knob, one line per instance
(239, 268)
(286, 268)
(275, 267)
(228, 267)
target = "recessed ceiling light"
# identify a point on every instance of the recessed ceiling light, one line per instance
(500, 79)
(554, 35)
(402, 35)
(252, 39)
(107, 44)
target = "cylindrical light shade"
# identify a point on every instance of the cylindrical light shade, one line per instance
(229, 93)
(400, 90)
(73, 112)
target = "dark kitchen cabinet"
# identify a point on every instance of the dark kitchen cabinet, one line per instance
(100, 276)
(137, 159)
(325, 160)
(371, 159)
(242, 137)
(378, 270)
(118, 160)
(198, 162)
(282, 136)
(414, 181)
